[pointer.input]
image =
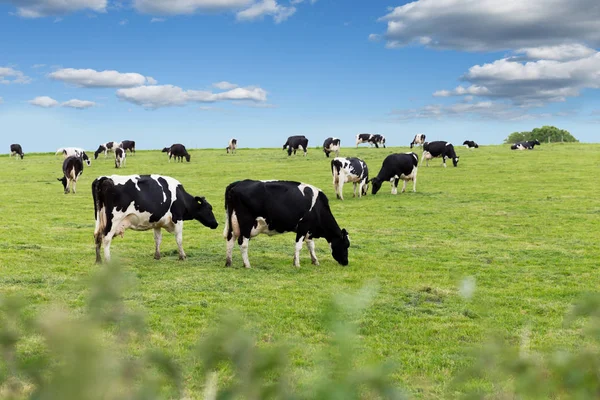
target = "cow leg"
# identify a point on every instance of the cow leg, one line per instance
(403, 186)
(106, 241)
(394, 183)
(415, 181)
(244, 249)
(341, 182)
(444, 161)
(98, 240)
(179, 239)
(354, 187)
(157, 241)
(230, 246)
(299, 243)
(74, 186)
(310, 243)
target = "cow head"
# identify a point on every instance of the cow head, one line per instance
(100, 150)
(376, 185)
(22, 155)
(455, 161)
(85, 158)
(166, 149)
(202, 212)
(63, 180)
(187, 157)
(339, 248)
(537, 142)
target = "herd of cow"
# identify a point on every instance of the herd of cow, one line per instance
(144, 202)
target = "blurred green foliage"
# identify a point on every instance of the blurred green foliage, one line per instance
(545, 134)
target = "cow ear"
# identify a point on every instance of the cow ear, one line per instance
(200, 199)
(344, 232)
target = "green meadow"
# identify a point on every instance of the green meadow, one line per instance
(502, 245)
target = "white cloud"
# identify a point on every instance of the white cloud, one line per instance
(169, 95)
(562, 52)
(100, 79)
(472, 90)
(44, 8)
(224, 85)
(43, 101)
(177, 7)
(153, 20)
(11, 75)
(484, 25)
(80, 104)
(266, 7)
(123, 22)
(151, 80)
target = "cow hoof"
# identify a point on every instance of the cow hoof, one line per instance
(182, 258)
(315, 262)
(228, 263)
(157, 256)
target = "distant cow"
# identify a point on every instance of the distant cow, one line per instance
(349, 169)
(439, 149)
(395, 167)
(294, 143)
(16, 150)
(418, 139)
(331, 145)
(74, 151)
(528, 145)
(128, 145)
(272, 207)
(106, 148)
(231, 146)
(470, 144)
(372, 139)
(120, 157)
(178, 151)
(72, 170)
(143, 202)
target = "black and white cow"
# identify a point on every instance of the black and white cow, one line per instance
(372, 139)
(331, 145)
(120, 157)
(72, 170)
(16, 150)
(395, 167)
(528, 145)
(178, 151)
(469, 144)
(273, 207)
(106, 148)
(439, 149)
(74, 151)
(231, 146)
(418, 139)
(128, 145)
(349, 169)
(294, 143)
(143, 202)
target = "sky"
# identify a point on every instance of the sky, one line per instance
(198, 72)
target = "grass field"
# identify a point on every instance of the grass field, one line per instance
(523, 226)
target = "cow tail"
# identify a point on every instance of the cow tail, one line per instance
(228, 231)
(100, 187)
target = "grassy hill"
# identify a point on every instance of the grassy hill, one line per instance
(520, 228)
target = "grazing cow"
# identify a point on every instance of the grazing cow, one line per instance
(16, 150)
(120, 157)
(72, 169)
(273, 207)
(395, 167)
(166, 149)
(528, 145)
(74, 151)
(106, 148)
(178, 152)
(331, 145)
(294, 143)
(128, 145)
(231, 146)
(143, 202)
(469, 144)
(375, 139)
(439, 149)
(418, 139)
(349, 169)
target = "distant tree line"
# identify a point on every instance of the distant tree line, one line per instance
(544, 134)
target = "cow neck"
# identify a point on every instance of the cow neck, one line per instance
(189, 203)
(327, 224)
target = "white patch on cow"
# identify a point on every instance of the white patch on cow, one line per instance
(261, 227)
(244, 248)
(315, 193)
(448, 144)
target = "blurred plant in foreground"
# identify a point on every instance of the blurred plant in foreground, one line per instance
(502, 371)
(101, 354)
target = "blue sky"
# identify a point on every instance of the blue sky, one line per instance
(82, 72)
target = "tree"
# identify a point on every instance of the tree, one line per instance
(544, 134)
